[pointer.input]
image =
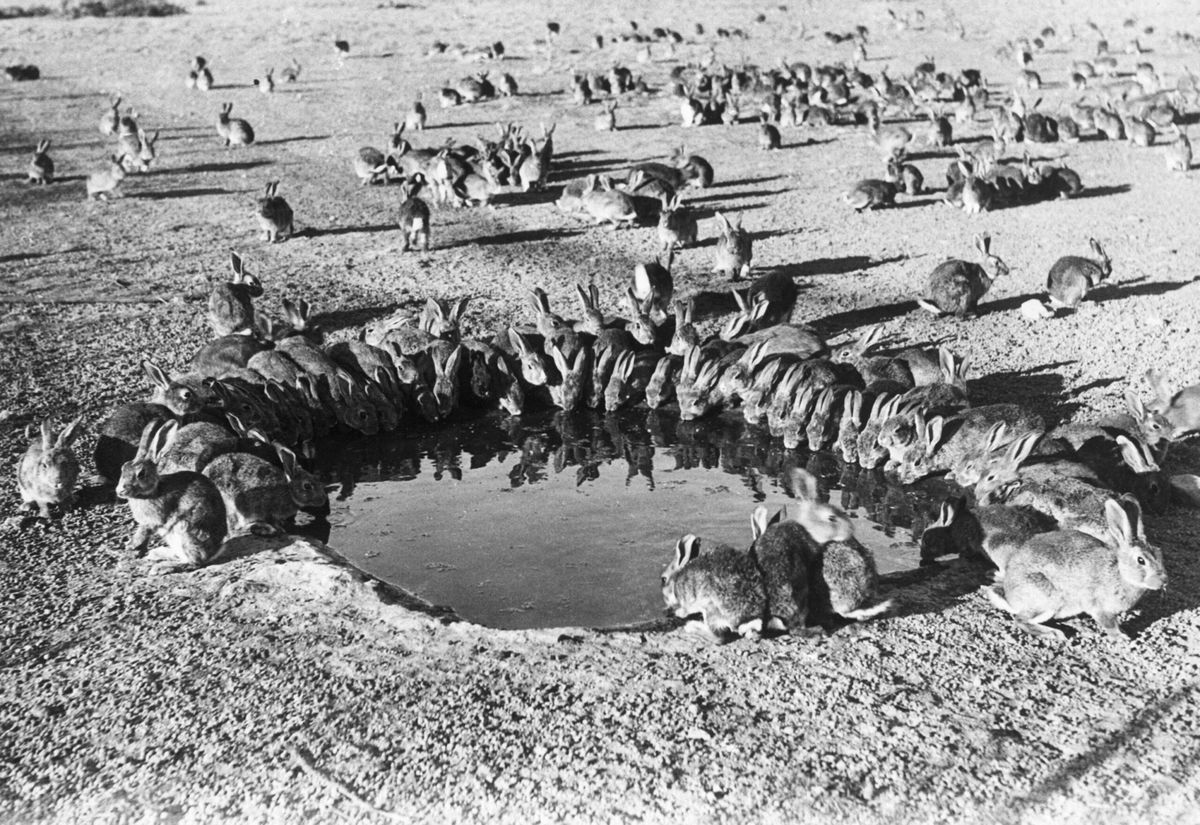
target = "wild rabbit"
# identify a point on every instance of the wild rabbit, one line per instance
(234, 131)
(1065, 573)
(722, 585)
(260, 496)
(956, 286)
(230, 304)
(41, 167)
(274, 215)
(103, 183)
(49, 469)
(1072, 277)
(184, 509)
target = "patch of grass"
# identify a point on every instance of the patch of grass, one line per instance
(121, 8)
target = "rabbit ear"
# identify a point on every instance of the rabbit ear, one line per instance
(1022, 448)
(1136, 408)
(287, 459)
(47, 435)
(995, 437)
(760, 520)
(235, 264)
(163, 439)
(686, 550)
(1118, 523)
(68, 434)
(148, 433)
(155, 374)
(518, 343)
(933, 430)
(1097, 248)
(761, 305)
(460, 308)
(804, 485)
(235, 424)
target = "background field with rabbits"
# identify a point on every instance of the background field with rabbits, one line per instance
(248, 673)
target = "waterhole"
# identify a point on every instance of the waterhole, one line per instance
(568, 520)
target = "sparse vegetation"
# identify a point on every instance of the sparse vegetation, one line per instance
(121, 8)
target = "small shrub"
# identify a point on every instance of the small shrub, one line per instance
(121, 8)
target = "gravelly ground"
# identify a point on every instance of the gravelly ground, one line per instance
(129, 698)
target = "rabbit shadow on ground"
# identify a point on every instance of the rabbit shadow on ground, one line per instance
(1039, 387)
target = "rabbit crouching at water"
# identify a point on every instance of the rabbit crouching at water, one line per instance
(722, 585)
(183, 509)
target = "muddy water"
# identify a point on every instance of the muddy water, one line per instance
(555, 520)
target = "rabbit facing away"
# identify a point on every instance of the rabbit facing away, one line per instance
(49, 469)
(955, 286)
(103, 183)
(274, 215)
(414, 215)
(1178, 409)
(230, 304)
(1065, 573)
(184, 510)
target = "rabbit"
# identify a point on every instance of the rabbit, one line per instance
(1126, 464)
(783, 553)
(103, 183)
(1178, 153)
(652, 283)
(794, 427)
(847, 580)
(119, 434)
(677, 226)
(630, 376)
(850, 426)
(291, 72)
(371, 166)
(698, 389)
(274, 215)
(734, 253)
(1072, 277)
(266, 84)
(416, 118)
(661, 386)
(230, 304)
(768, 134)
(697, 171)
(759, 393)
(723, 585)
(823, 521)
(183, 509)
(823, 423)
(940, 445)
(193, 446)
(1065, 573)
(260, 496)
(183, 395)
(146, 153)
(111, 119)
(49, 469)
(983, 532)
(609, 205)
(568, 387)
(41, 167)
(871, 453)
(446, 366)
(1179, 410)
(870, 194)
(593, 322)
(955, 286)
(414, 215)
(685, 335)
(906, 177)
(607, 122)
(234, 131)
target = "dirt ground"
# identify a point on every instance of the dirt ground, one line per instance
(279, 686)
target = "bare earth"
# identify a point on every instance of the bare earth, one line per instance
(254, 689)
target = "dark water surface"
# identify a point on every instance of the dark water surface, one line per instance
(552, 520)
